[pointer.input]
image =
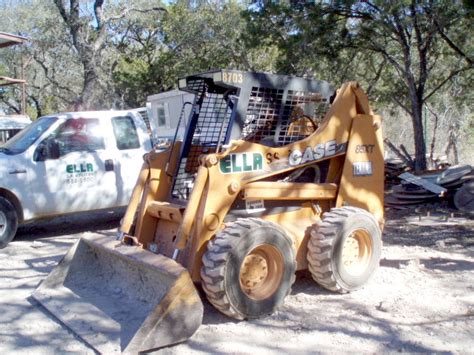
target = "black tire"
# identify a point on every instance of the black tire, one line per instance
(248, 269)
(464, 198)
(8, 222)
(353, 231)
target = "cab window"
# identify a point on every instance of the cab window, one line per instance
(125, 133)
(80, 134)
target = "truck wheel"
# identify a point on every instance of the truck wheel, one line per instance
(248, 269)
(344, 250)
(8, 222)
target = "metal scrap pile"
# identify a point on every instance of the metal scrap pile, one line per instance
(455, 184)
(393, 168)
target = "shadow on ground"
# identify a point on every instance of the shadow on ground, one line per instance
(399, 231)
(70, 224)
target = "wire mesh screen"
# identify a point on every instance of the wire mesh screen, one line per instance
(278, 119)
(196, 84)
(263, 110)
(210, 132)
(303, 111)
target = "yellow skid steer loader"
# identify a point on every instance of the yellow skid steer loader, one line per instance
(275, 174)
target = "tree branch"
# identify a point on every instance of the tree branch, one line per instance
(386, 55)
(10, 105)
(36, 102)
(99, 13)
(421, 46)
(452, 45)
(134, 9)
(50, 78)
(402, 105)
(450, 76)
(377, 76)
(101, 30)
(62, 10)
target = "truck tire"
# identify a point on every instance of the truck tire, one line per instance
(248, 269)
(344, 250)
(8, 222)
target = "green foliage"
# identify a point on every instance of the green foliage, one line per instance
(3, 70)
(403, 52)
(51, 65)
(411, 54)
(161, 47)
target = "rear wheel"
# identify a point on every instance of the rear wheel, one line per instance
(8, 222)
(248, 269)
(344, 250)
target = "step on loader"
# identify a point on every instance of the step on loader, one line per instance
(275, 174)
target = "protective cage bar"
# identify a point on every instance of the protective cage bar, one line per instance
(273, 110)
(208, 127)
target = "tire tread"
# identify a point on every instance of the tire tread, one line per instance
(214, 263)
(323, 237)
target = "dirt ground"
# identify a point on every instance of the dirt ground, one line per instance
(421, 298)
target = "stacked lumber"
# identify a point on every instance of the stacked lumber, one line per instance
(454, 182)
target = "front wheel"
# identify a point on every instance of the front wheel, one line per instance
(344, 250)
(8, 222)
(248, 269)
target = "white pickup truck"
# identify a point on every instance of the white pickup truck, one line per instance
(67, 163)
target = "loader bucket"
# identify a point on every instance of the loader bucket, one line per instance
(119, 298)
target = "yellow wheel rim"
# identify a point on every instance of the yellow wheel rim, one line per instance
(357, 252)
(261, 272)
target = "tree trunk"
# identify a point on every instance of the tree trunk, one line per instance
(87, 100)
(417, 120)
(88, 41)
(452, 144)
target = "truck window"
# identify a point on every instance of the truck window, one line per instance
(25, 138)
(79, 134)
(125, 133)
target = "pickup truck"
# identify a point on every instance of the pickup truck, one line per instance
(70, 162)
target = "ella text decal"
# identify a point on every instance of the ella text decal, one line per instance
(317, 152)
(241, 163)
(80, 173)
(79, 168)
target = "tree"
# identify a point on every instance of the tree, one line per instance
(412, 36)
(408, 43)
(52, 71)
(192, 36)
(89, 41)
(89, 37)
(97, 54)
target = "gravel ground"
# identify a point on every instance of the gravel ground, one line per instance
(419, 300)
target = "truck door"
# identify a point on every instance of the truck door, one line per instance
(131, 144)
(75, 170)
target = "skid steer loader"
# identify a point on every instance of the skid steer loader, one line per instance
(263, 184)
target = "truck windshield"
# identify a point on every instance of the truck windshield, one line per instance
(24, 139)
